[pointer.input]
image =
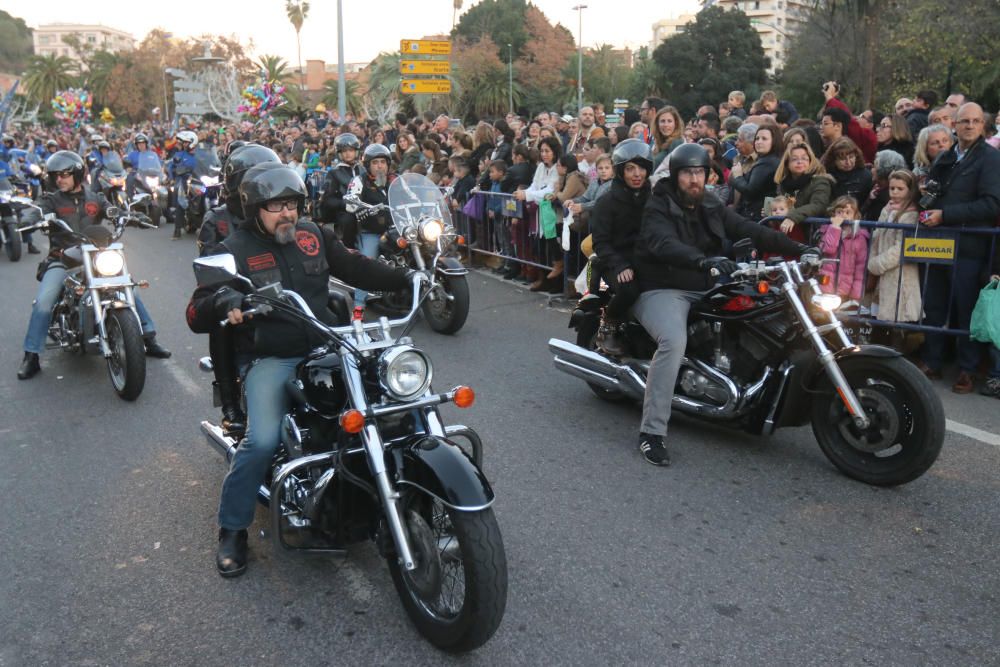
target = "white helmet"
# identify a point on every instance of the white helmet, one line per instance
(188, 137)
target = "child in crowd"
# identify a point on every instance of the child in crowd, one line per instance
(462, 181)
(494, 204)
(780, 206)
(581, 206)
(845, 240)
(897, 282)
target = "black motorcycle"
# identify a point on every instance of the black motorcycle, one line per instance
(148, 178)
(365, 455)
(766, 351)
(11, 203)
(111, 180)
(204, 186)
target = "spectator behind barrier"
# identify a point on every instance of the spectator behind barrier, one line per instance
(932, 141)
(668, 133)
(757, 183)
(800, 175)
(886, 162)
(898, 282)
(846, 241)
(894, 135)
(845, 163)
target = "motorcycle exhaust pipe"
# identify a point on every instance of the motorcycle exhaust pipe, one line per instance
(594, 368)
(226, 446)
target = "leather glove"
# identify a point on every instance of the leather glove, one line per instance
(364, 213)
(723, 265)
(226, 299)
(809, 250)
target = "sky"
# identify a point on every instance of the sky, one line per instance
(604, 21)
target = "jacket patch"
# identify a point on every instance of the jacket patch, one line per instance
(92, 209)
(223, 228)
(307, 242)
(261, 262)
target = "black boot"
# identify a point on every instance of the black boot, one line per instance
(233, 418)
(154, 349)
(29, 367)
(32, 250)
(231, 557)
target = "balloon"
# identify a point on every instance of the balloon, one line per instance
(72, 107)
(261, 98)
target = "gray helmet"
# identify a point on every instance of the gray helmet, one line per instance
(61, 161)
(268, 181)
(51, 142)
(375, 151)
(346, 140)
(103, 145)
(141, 137)
(634, 151)
(686, 156)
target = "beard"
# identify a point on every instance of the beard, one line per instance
(284, 233)
(689, 198)
(381, 179)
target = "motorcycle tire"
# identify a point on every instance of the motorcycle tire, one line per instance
(448, 316)
(14, 244)
(907, 428)
(586, 337)
(472, 549)
(127, 363)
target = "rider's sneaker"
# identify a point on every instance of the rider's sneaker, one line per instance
(359, 313)
(608, 341)
(653, 450)
(991, 388)
(32, 250)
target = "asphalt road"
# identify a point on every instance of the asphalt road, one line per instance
(747, 551)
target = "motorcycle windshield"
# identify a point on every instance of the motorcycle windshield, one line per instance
(149, 164)
(207, 163)
(413, 197)
(113, 165)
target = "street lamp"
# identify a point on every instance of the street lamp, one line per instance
(510, 83)
(579, 73)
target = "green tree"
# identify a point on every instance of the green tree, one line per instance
(606, 75)
(101, 73)
(718, 51)
(646, 78)
(15, 43)
(383, 82)
(47, 75)
(274, 68)
(353, 101)
(297, 11)
(502, 20)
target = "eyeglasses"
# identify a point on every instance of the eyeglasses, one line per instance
(278, 205)
(885, 126)
(969, 121)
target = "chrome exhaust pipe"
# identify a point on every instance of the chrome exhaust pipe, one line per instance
(594, 368)
(226, 446)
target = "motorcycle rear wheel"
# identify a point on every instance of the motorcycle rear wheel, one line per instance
(127, 363)
(907, 428)
(457, 594)
(13, 245)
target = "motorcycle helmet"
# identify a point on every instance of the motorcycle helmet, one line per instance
(686, 156)
(267, 181)
(65, 161)
(103, 145)
(634, 151)
(52, 145)
(375, 151)
(141, 137)
(188, 137)
(233, 145)
(345, 141)
(94, 138)
(7, 139)
(236, 166)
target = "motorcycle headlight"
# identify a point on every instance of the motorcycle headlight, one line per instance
(828, 302)
(431, 230)
(109, 262)
(153, 182)
(404, 372)
(209, 181)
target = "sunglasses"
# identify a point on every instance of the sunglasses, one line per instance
(278, 205)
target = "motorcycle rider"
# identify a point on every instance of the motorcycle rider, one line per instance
(273, 245)
(332, 207)
(682, 237)
(140, 144)
(180, 168)
(373, 184)
(79, 208)
(614, 224)
(220, 222)
(103, 147)
(6, 145)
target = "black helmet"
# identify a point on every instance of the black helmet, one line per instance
(269, 180)
(346, 140)
(233, 145)
(686, 156)
(236, 166)
(65, 161)
(141, 137)
(375, 151)
(634, 151)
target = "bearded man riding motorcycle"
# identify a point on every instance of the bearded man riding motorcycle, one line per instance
(273, 245)
(373, 183)
(682, 237)
(332, 207)
(79, 208)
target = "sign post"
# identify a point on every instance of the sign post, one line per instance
(422, 57)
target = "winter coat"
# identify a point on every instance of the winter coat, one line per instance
(755, 185)
(864, 138)
(856, 183)
(847, 278)
(812, 200)
(614, 224)
(884, 262)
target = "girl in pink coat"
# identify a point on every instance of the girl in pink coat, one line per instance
(845, 240)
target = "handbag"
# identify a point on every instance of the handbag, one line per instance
(985, 325)
(547, 219)
(475, 208)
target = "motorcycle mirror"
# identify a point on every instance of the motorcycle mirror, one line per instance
(215, 270)
(112, 212)
(140, 197)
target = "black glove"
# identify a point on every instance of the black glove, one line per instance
(226, 299)
(364, 213)
(809, 250)
(723, 265)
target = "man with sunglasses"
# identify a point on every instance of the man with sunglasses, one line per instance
(274, 245)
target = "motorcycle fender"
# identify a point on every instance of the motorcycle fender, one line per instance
(439, 468)
(581, 316)
(449, 266)
(816, 372)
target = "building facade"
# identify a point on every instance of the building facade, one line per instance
(49, 39)
(667, 28)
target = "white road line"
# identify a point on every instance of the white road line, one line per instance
(182, 378)
(984, 437)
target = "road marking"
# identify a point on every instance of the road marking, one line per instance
(984, 437)
(183, 379)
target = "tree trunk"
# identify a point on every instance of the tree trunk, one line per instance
(871, 17)
(302, 73)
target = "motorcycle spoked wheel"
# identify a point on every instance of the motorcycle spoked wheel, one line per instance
(13, 246)
(586, 337)
(444, 315)
(457, 594)
(127, 363)
(907, 428)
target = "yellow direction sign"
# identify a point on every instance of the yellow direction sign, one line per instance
(428, 47)
(424, 67)
(929, 250)
(432, 86)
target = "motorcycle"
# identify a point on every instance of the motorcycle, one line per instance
(10, 205)
(204, 186)
(96, 311)
(111, 180)
(365, 455)
(422, 237)
(766, 351)
(149, 178)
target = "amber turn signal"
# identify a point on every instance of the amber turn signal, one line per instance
(464, 397)
(824, 279)
(763, 287)
(460, 240)
(352, 421)
(402, 243)
(143, 284)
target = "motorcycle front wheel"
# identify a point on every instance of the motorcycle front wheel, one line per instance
(447, 313)
(907, 422)
(13, 245)
(457, 594)
(127, 363)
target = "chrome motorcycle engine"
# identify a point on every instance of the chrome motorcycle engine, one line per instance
(696, 385)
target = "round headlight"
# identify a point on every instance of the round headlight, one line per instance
(153, 182)
(404, 372)
(109, 262)
(431, 230)
(828, 302)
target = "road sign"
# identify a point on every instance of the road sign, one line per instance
(424, 67)
(929, 250)
(428, 47)
(432, 86)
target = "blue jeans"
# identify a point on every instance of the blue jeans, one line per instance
(267, 403)
(41, 311)
(368, 245)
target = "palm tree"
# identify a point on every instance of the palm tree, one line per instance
(297, 11)
(47, 75)
(456, 8)
(383, 84)
(352, 102)
(274, 68)
(99, 76)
